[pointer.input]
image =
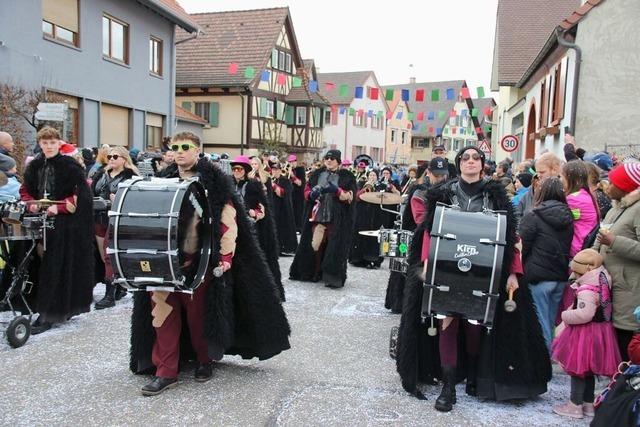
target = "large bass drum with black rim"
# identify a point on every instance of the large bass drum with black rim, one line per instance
(160, 234)
(465, 264)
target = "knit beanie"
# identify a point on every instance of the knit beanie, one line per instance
(626, 176)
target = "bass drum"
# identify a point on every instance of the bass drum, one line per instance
(160, 234)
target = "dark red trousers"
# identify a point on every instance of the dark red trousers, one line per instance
(166, 349)
(449, 341)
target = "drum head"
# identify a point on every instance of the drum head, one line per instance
(194, 235)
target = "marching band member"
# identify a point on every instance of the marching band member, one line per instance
(260, 209)
(229, 314)
(326, 236)
(509, 361)
(283, 211)
(387, 181)
(361, 174)
(298, 178)
(65, 285)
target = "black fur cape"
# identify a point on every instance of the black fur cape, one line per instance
(65, 285)
(334, 261)
(243, 312)
(298, 197)
(284, 217)
(514, 361)
(266, 227)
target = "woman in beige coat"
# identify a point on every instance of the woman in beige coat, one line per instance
(619, 243)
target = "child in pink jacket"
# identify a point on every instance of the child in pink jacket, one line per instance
(587, 345)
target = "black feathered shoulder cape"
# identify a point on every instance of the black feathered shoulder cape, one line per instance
(243, 312)
(514, 361)
(65, 285)
(284, 217)
(334, 262)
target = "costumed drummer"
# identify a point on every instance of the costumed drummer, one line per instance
(65, 285)
(509, 361)
(298, 179)
(326, 236)
(231, 313)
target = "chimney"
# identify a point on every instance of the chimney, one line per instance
(412, 80)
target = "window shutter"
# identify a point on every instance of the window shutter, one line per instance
(263, 107)
(289, 115)
(214, 110)
(562, 88)
(186, 105)
(61, 12)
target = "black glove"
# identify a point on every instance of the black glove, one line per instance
(315, 192)
(330, 188)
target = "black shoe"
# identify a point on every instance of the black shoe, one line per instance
(120, 292)
(447, 398)
(109, 299)
(204, 372)
(471, 388)
(158, 385)
(40, 327)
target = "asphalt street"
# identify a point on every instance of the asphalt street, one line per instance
(338, 372)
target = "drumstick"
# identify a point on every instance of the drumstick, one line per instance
(510, 305)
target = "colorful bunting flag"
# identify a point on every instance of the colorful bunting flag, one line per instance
(297, 81)
(435, 95)
(405, 94)
(389, 115)
(360, 112)
(373, 93)
(478, 129)
(411, 115)
(399, 115)
(328, 86)
(343, 110)
(450, 94)
(409, 125)
(432, 115)
(379, 114)
(487, 111)
(313, 86)
(249, 72)
(233, 68)
(352, 111)
(359, 92)
(281, 79)
(421, 116)
(452, 113)
(265, 75)
(480, 91)
(465, 93)
(388, 95)
(370, 113)
(430, 129)
(420, 95)
(344, 90)
(474, 112)
(453, 130)
(441, 114)
(438, 131)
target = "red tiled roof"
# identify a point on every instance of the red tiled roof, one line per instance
(573, 19)
(522, 29)
(351, 79)
(243, 37)
(183, 114)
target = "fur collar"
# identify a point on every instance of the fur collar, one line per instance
(630, 199)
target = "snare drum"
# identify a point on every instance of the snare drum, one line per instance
(160, 234)
(395, 243)
(399, 265)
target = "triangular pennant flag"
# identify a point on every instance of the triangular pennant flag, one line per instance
(399, 115)
(411, 115)
(265, 75)
(344, 90)
(361, 112)
(249, 72)
(379, 114)
(441, 114)
(370, 113)
(487, 111)
(297, 82)
(452, 113)
(450, 94)
(430, 129)
(421, 116)
(373, 93)
(352, 111)
(328, 86)
(487, 129)
(343, 110)
(359, 92)
(435, 95)
(388, 95)
(405, 94)
(233, 68)
(480, 91)
(438, 131)
(465, 93)
(453, 130)
(474, 112)
(281, 80)
(313, 86)
(420, 95)
(478, 129)
(389, 115)
(432, 115)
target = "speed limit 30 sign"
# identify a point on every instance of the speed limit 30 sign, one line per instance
(509, 143)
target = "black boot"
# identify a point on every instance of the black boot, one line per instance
(472, 373)
(120, 292)
(447, 397)
(109, 299)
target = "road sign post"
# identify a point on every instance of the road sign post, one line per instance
(509, 143)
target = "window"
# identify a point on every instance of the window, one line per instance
(375, 154)
(270, 108)
(281, 61)
(60, 20)
(202, 110)
(114, 125)
(154, 130)
(358, 119)
(301, 116)
(544, 89)
(327, 117)
(404, 137)
(155, 56)
(288, 63)
(393, 136)
(559, 89)
(115, 39)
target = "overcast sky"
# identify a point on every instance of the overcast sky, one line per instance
(431, 40)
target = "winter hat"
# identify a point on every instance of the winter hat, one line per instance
(6, 163)
(346, 162)
(67, 149)
(134, 153)
(584, 259)
(471, 147)
(242, 161)
(336, 154)
(292, 158)
(525, 179)
(626, 176)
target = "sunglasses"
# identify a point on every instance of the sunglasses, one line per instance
(467, 156)
(237, 168)
(113, 157)
(183, 147)
(330, 158)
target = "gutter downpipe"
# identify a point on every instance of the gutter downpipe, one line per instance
(173, 119)
(576, 78)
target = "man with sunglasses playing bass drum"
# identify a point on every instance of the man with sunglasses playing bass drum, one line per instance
(222, 303)
(509, 361)
(328, 228)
